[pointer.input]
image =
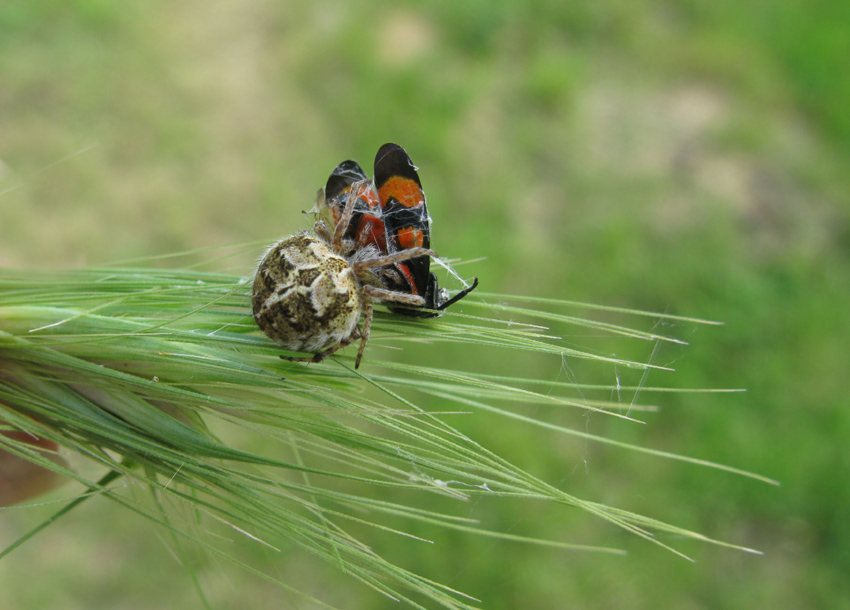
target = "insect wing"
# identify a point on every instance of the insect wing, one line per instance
(405, 217)
(366, 227)
(344, 175)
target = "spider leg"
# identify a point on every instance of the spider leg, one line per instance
(391, 259)
(345, 218)
(367, 323)
(321, 231)
(394, 296)
(371, 293)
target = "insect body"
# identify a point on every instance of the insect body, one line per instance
(390, 215)
(371, 244)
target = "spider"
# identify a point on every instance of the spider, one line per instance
(308, 296)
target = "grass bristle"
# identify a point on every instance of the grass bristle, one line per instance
(144, 371)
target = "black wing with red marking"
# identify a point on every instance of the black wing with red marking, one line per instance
(406, 220)
(391, 215)
(366, 227)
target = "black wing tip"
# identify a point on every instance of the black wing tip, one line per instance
(344, 175)
(388, 148)
(393, 160)
(349, 166)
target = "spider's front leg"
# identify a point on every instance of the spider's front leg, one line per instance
(390, 259)
(347, 213)
(321, 231)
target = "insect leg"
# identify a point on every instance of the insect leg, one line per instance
(459, 295)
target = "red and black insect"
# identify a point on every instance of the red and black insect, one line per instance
(390, 216)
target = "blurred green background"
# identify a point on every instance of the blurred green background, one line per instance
(688, 157)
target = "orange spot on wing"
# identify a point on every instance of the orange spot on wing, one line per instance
(371, 231)
(404, 190)
(410, 237)
(408, 275)
(367, 193)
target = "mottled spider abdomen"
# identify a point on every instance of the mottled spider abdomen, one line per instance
(306, 297)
